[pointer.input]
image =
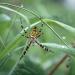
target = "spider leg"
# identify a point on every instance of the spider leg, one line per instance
(24, 36)
(22, 26)
(42, 46)
(23, 29)
(42, 25)
(40, 34)
(25, 50)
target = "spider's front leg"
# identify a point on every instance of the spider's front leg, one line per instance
(23, 28)
(25, 50)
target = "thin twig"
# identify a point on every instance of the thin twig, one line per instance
(58, 64)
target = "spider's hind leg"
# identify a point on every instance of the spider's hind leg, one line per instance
(25, 50)
(42, 46)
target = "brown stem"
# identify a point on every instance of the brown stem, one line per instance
(58, 64)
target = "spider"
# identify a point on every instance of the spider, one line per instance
(33, 35)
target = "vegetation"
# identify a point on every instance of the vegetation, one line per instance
(58, 36)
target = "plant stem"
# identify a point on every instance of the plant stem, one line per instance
(58, 64)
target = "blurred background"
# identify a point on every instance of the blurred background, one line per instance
(36, 62)
(49, 8)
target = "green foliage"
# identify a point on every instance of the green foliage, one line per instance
(57, 36)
